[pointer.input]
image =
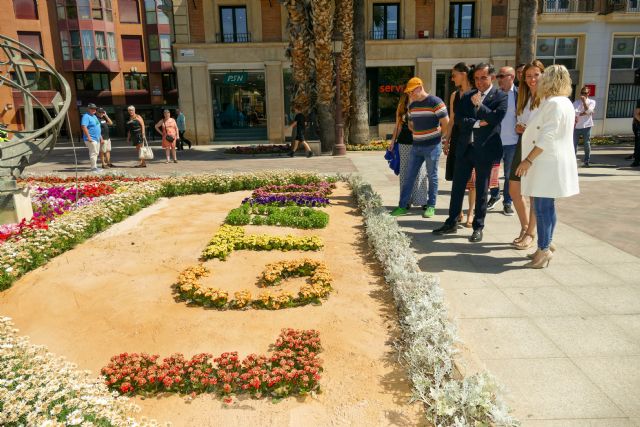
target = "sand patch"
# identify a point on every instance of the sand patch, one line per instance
(113, 294)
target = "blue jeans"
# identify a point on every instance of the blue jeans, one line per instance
(546, 215)
(430, 155)
(586, 136)
(508, 152)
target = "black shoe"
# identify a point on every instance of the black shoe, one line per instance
(493, 201)
(629, 157)
(310, 154)
(446, 229)
(291, 154)
(476, 236)
(586, 165)
(507, 210)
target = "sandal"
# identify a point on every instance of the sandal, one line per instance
(469, 223)
(527, 241)
(518, 239)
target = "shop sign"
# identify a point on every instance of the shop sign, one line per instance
(187, 52)
(391, 88)
(235, 78)
(155, 91)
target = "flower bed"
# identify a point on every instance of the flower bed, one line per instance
(54, 180)
(288, 216)
(312, 195)
(37, 245)
(292, 369)
(260, 149)
(39, 389)
(230, 238)
(189, 289)
(376, 145)
(428, 336)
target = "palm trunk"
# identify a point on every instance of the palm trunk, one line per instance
(359, 126)
(526, 39)
(344, 20)
(299, 53)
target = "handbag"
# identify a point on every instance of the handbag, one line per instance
(146, 152)
(169, 138)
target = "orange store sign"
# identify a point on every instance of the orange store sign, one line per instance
(391, 88)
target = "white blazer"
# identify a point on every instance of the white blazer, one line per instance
(554, 173)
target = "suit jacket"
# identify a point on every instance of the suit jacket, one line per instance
(486, 139)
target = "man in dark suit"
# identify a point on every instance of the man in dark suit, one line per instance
(478, 115)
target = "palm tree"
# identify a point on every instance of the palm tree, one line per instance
(359, 126)
(322, 14)
(299, 53)
(526, 39)
(344, 18)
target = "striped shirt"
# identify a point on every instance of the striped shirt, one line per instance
(425, 116)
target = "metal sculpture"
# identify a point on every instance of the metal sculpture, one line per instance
(29, 145)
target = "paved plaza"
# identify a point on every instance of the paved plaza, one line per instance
(563, 341)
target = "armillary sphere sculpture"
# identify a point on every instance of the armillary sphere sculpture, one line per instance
(29, 145)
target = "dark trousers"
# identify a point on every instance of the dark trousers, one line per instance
(636, 150)
(183, 140)
(462, 172)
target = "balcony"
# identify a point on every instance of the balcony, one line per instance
(462, 33)
(568, 6)
(233, 38)
(386, 35)
(624, 6)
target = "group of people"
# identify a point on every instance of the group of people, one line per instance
(526, 122)
(95, 125)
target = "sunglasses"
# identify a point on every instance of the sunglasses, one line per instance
(502, 76)
(584, 93)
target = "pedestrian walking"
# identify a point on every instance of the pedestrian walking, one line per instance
(298, 128)
(528, 103)
(91, 134)
(135, 133)
(509, 139)
(548, 167)
(404, 138)
(636, 134)
(105, 147)
(584, 107)
(429, 121)
(479, 114)
(168, 128)
(182, 129)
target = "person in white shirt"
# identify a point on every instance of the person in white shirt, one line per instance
(548, 168)
(584, 107)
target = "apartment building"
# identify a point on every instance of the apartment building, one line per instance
(599, 41)
(113, 53)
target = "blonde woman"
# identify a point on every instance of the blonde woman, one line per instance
(548, 167)
(528, 102)
(135, 133)
(404, 138)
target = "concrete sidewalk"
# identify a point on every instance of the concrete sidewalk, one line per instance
(564, 341)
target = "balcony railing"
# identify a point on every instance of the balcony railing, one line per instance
(465, 33)
(233, 37)
(631, 6)
(568, 6)
(388, 35)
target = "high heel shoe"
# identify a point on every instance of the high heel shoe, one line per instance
(532, 255)
(523, 232)
(527, 241)
(542, 260)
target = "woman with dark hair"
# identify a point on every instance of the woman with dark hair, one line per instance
(404, 138)
(528, 102)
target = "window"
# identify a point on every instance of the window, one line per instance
(462, 20)
(558, 50)
(101, 46)
(108, 10)
(136, 81)
(622, 100)
(64, 42)
(554, 6)
(150, 8)
(71, 9)
(132, 48)
(169, 82)
(92, 81)
(233, 21)
(88, 49)
(129, 11)
(165, 48)
(96, 10)
(76, 46)
(385, 21)
(84, 9)
(31, 39)
(25, 9)
(111, 44)
(626, 53)
(44, 81)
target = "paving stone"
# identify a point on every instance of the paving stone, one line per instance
(548, 301)
(618, 300)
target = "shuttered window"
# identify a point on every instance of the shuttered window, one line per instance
(25, 9)
(31, 39)
(132, 48)
(128, 11)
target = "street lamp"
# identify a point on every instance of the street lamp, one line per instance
(339, 149)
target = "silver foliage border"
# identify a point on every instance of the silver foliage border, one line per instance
(429, 337)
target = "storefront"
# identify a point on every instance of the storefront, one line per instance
(385, 86)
